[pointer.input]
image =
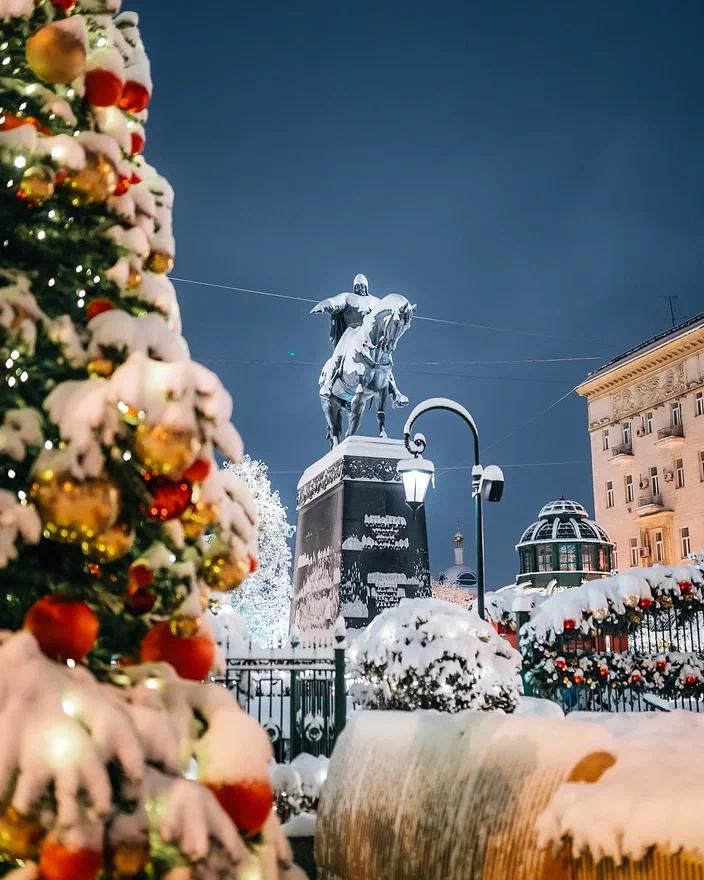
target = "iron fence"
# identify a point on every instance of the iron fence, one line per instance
(649, 663)
(297, 693)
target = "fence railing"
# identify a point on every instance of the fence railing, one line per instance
(297, 693)
(659, 651)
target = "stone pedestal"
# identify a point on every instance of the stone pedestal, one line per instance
(358, 548)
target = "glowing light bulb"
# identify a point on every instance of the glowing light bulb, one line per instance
(23, 105)
(11, 381)
(24, 375)
(51, 214)
(48, 445)
(11, 474)
(20, 161)
(51, 282)
(9, 363)
(41, 235)
(153, 683)
(127, 455)
(79, 268)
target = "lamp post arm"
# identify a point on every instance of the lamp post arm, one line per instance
(416, 445)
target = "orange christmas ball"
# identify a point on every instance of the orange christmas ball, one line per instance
(72, 510)
(134, 98)
(170, 498)
(65, 628)
(159, 262)
(58, 862)
(164, 449)
(93, 183)
(197, 518)
(55, 53)
(225, 572)
(198, 471)
(247, 803)
(36, 186)
(112, 544)
(191, 656)
(136, 143)
(103, 88)
(97, 306)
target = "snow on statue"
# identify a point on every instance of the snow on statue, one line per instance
(264, 600)
(108, 491)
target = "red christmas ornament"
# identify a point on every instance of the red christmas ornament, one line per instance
(65, 5)
(247, 803)
(603, 671)
(103, 88)
(135, 179)
(58, 862)
(65, 629)
(140, 576)
(635, 676)
(645, 602)
(10, 121)
(569, 624)
(685, 586)
(560, 663)
(578, 677)
(140, 602)
(170, 498)
(198, 471)
(690, 679)
(191, 656)
(660, 664)
(253, 564)
(134, 98)
(123, 184)
(136, 143)
(98, 306)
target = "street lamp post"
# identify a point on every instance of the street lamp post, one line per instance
(418, 472)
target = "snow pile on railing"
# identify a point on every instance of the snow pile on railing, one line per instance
(429, 654)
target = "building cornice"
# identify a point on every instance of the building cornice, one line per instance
(644, 364)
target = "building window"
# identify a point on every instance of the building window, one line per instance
(568, 557)
(605, 439)
(610, 492)
(545, 557)
(686, 543)
(626, 427)
(654, 481)
(629, 489)
(527, 560)
(614, 558)
(589, 557)
(604, 559)
(634, 552)
(701, 465)
(699, 403)
(649, 423)
(676, 413)
(659, 546)
(679, 473)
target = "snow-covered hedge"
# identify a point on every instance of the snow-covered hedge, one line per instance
(429, 654)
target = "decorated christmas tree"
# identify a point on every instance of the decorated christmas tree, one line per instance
(115, 523)
(264, 600)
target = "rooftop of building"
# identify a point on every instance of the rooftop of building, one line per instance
(564, 520)
(649, 345)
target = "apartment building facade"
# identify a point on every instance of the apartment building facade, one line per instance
(646, 425)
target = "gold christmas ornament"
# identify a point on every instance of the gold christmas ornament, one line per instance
(19, 835)
(129, 859)
(165, 450)
(159, 262)
(185, 627)
(134, 278)
(56, 53)
(198, 517)
(36, 186)
(225, 572)
(72, 510)
(94, 183)
(111, 544)
(101, 367)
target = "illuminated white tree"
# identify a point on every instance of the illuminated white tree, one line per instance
(264, 599)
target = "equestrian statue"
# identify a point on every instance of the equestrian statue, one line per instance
(364, 333)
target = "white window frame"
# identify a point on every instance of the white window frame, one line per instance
(627, 434)
(659, 541)
(649, 423)
(654, 481)
(635, 555)
(628, 479)
(676, 413)
(699, 403)
(701, 464)
(609, 493)
(605, 440)
(686, 540)
(679, 473)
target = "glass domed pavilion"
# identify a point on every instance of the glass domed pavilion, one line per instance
(563, 546)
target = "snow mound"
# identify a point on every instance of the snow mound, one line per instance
(430, 654)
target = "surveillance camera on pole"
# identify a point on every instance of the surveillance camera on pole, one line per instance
(492, 483)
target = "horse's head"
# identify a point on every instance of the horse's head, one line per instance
(389, 321)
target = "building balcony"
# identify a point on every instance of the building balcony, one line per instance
(649, 504)
(622, 452)
(672, 435)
